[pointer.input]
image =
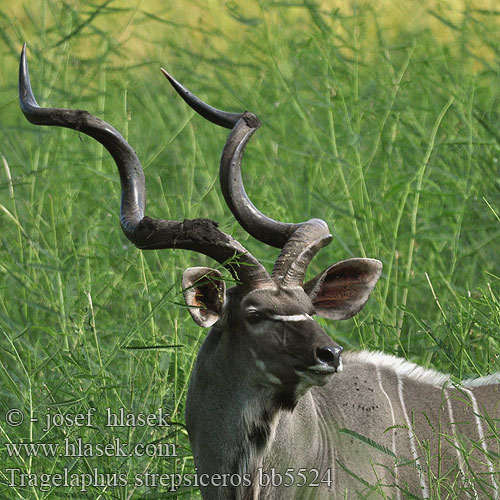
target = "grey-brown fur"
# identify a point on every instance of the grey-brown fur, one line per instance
(313, 435)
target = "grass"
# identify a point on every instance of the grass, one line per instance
(387, 130)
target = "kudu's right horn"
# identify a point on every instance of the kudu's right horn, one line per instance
(299, 242)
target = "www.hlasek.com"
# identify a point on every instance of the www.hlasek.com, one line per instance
(269, 478)
(77, 448)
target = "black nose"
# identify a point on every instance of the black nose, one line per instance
(329, 355)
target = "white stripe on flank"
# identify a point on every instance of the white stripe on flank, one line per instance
(292, 317)
(398, 492)
(454, 432)
(480, 431)
(423, 484)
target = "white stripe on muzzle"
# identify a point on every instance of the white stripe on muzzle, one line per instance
(292, 317)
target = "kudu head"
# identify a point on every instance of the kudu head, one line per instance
(267, 316)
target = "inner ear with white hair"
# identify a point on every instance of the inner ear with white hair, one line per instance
(204, 292)
(341, 291)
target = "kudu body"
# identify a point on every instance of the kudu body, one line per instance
(272, 409)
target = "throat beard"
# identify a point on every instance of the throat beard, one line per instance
(260, 427)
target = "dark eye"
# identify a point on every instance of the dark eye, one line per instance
(254, 317)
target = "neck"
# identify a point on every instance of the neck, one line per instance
(231, 426)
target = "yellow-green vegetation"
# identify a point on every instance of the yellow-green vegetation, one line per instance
(380, 117)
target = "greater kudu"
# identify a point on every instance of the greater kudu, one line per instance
(272, 412)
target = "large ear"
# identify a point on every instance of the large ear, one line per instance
(204, 292)
(342, 290)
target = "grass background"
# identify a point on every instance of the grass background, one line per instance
(381, 119)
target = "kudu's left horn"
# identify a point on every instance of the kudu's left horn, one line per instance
(199, 235)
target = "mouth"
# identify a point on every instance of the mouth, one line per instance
(321, 368)
(317, 370)
(317, 374)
